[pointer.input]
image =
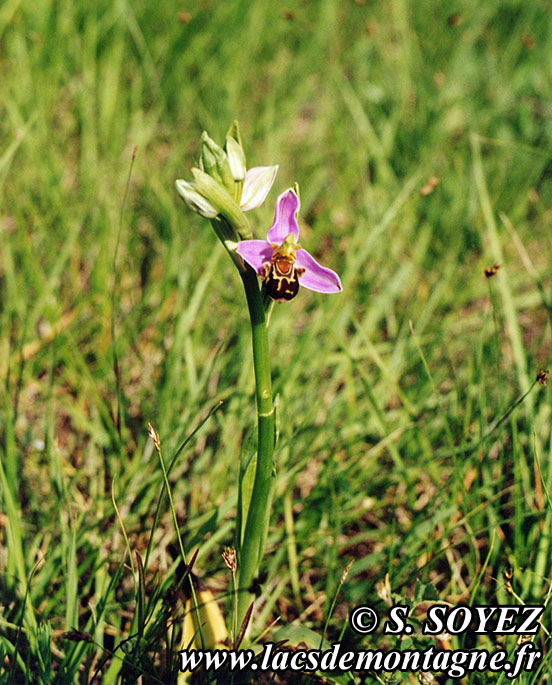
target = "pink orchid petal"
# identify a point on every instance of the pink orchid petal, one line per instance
(316, 277)
(255, 252)
(258, 181)
(285, 220)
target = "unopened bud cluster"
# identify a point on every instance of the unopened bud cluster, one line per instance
(222, 189)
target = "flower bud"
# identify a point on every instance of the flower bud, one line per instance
(234, 132)
(195, 200)
(221, 200)
(214, 162)
(236, 158)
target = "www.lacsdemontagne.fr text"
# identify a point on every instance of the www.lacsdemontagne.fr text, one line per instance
(454, 663)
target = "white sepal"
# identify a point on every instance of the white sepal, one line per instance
(236, 159)
(258, 181)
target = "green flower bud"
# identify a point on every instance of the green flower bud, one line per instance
(219, 198)
(234, 132)
(195, 200)
(213, 161)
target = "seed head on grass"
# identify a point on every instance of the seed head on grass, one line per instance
(507, 576)
(522, 639)
(229, 556)
(491, 271)
(383, 590)
(430, 186)
(346, 572)
(154, 435)
(542, 377)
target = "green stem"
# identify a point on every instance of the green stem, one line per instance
(251, 549)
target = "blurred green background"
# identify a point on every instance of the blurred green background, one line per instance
(420, 134)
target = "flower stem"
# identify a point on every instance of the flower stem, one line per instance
(251, 548)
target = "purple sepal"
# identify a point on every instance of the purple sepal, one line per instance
(285, 221)
(316, 277)
(255, 252)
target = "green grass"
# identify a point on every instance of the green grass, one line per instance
(391, 451)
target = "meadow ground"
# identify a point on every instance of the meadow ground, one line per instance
(413, 439)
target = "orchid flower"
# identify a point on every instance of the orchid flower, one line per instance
(281, 262)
